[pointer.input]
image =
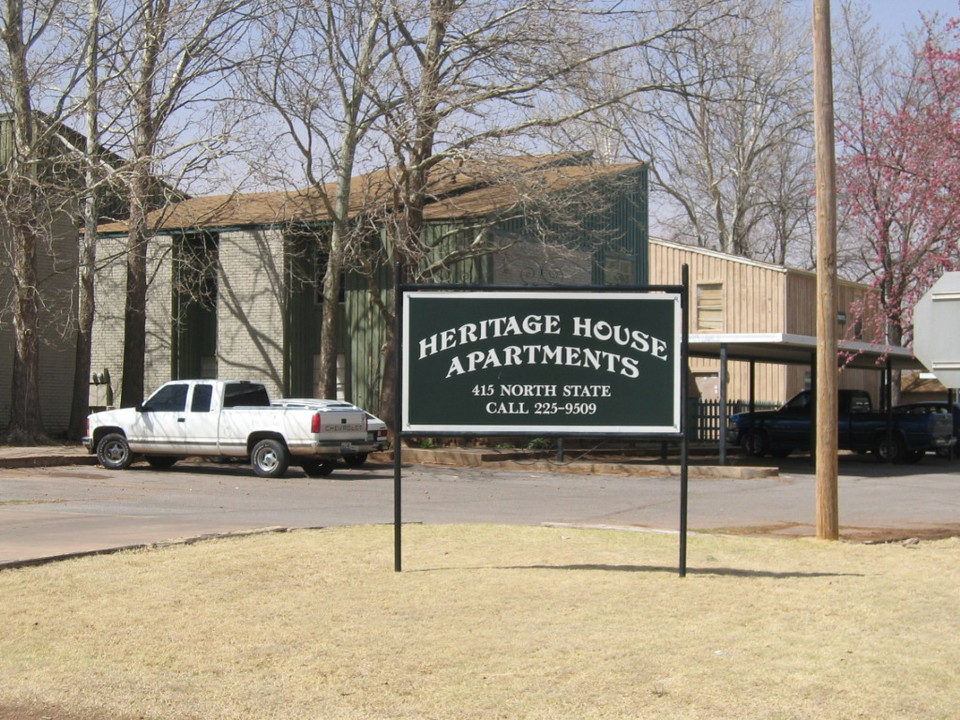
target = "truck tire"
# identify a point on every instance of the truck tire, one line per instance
(914, 456)
(113, 452)
(269, 459)
(318, 468)
(355, 459)
(891, 450)
(162, 462)
(754, 444)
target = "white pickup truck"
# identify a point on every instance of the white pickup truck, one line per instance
(224, 419)
(376, 428)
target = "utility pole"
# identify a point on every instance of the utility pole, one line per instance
(828, 525)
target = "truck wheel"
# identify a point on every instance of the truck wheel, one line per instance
(113, 452)
(269, 459)
(161, 462)
(891, 450)
(914, 456)
(754, 444)
(317, 468)
(355, 459)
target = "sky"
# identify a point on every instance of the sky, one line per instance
(892, 16)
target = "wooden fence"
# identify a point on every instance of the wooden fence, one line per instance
(707, 419)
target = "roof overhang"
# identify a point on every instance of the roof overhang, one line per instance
(788, 349)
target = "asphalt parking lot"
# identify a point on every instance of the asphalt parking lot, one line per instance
(62, 510)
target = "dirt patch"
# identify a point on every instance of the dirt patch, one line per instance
(893, 535)
(45, 712)
(873, 536)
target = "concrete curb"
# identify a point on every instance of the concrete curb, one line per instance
(521, 460)
(46, 460)
(454, 457)
(48, 559)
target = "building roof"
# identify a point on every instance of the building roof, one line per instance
(789, 349)
(457, 191)
(742, 260)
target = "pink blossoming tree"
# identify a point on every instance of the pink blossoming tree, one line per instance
(900, 181)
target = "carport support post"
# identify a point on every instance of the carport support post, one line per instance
(723, 404)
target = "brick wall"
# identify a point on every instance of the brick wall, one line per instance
(108, 330)
(251, 301)
(110, 285)
(158, 363)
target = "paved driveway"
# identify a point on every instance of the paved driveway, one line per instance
(61, 510)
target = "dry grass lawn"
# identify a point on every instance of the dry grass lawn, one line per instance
(486, 622)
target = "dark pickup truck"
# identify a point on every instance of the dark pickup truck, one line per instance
(859, 428)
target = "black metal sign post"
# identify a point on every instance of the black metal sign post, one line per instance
(397, 416)
(544, 362)
(684, 416)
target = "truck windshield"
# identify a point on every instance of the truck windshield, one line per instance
(799, 403)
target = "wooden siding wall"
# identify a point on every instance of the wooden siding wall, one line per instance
(753, 302)
(623, 226)
(757, 298)
(802, 298)
(753, 295)
(801, 320)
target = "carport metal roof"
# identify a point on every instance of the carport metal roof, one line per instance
(785, 348)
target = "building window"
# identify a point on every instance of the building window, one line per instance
(710, 308)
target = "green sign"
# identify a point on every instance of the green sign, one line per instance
(532, 362)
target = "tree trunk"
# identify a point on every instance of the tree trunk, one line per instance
(134, 318)
(80, 405)
(332, 279)
(86, 304)
(26, 426)
(21, 213)
(330, 327)
(388, 386)
(135, 311)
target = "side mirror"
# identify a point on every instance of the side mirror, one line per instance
(140, 408)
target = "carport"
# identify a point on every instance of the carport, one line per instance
(789, 349)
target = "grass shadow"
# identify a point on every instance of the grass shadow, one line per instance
(720, 572)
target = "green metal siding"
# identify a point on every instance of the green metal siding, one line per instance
(366, 331)
(304, 315)
(623, 225)
(616, 232)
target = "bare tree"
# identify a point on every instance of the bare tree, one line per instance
(477, 78)
(35, 66)
(729, 153)
(320, 63)
(175, 56)
(87, 254)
